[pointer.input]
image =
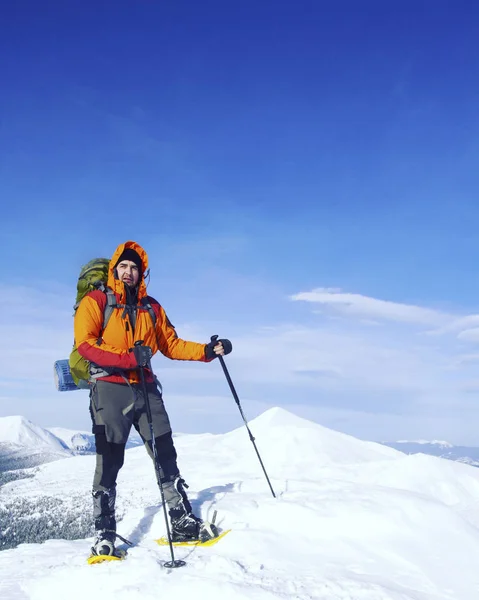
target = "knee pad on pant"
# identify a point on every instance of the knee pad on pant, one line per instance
(104, 508)
(167, 457)
(109, 461)
(169, 470)
(165, 446)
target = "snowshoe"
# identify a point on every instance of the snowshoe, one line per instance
(163, 541)
(104, 549)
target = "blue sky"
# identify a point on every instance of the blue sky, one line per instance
(303, 176)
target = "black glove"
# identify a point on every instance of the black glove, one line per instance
(210, 353)
(143, 355)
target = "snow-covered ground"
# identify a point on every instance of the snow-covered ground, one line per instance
(353, 520)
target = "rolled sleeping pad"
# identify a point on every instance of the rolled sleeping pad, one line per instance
(63, 378)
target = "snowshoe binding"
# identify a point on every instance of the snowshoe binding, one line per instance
(104, 549)
(190, 528)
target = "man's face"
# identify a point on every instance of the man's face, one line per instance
(128, 272)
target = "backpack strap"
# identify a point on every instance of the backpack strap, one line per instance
(147, 305)
(110, 306)
(95, 370)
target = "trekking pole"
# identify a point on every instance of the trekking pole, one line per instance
(172, 564)
(235, 396)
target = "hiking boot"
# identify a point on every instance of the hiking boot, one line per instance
(188, 528)
(185, 527)
(104, 544)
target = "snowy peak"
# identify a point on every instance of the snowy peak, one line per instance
(286, 441)
(279, 417)
(20, 431)
(24, 444)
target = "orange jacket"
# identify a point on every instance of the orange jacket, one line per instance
(111, 347)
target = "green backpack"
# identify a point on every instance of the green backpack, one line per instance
(94, 276)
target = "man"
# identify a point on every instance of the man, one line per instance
(116, 396)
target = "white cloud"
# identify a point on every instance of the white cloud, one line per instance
(370, 311)
(470, 335)
(365, 306)
(459, 324)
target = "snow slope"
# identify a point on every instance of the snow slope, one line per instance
(353, 520)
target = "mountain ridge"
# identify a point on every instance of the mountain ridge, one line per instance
(464, 454)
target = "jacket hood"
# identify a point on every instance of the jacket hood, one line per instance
(115, 284)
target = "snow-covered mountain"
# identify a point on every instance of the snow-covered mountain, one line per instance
(83, 442)
(79, 442)
(352, 520)
(24, 444)
(464, 454)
